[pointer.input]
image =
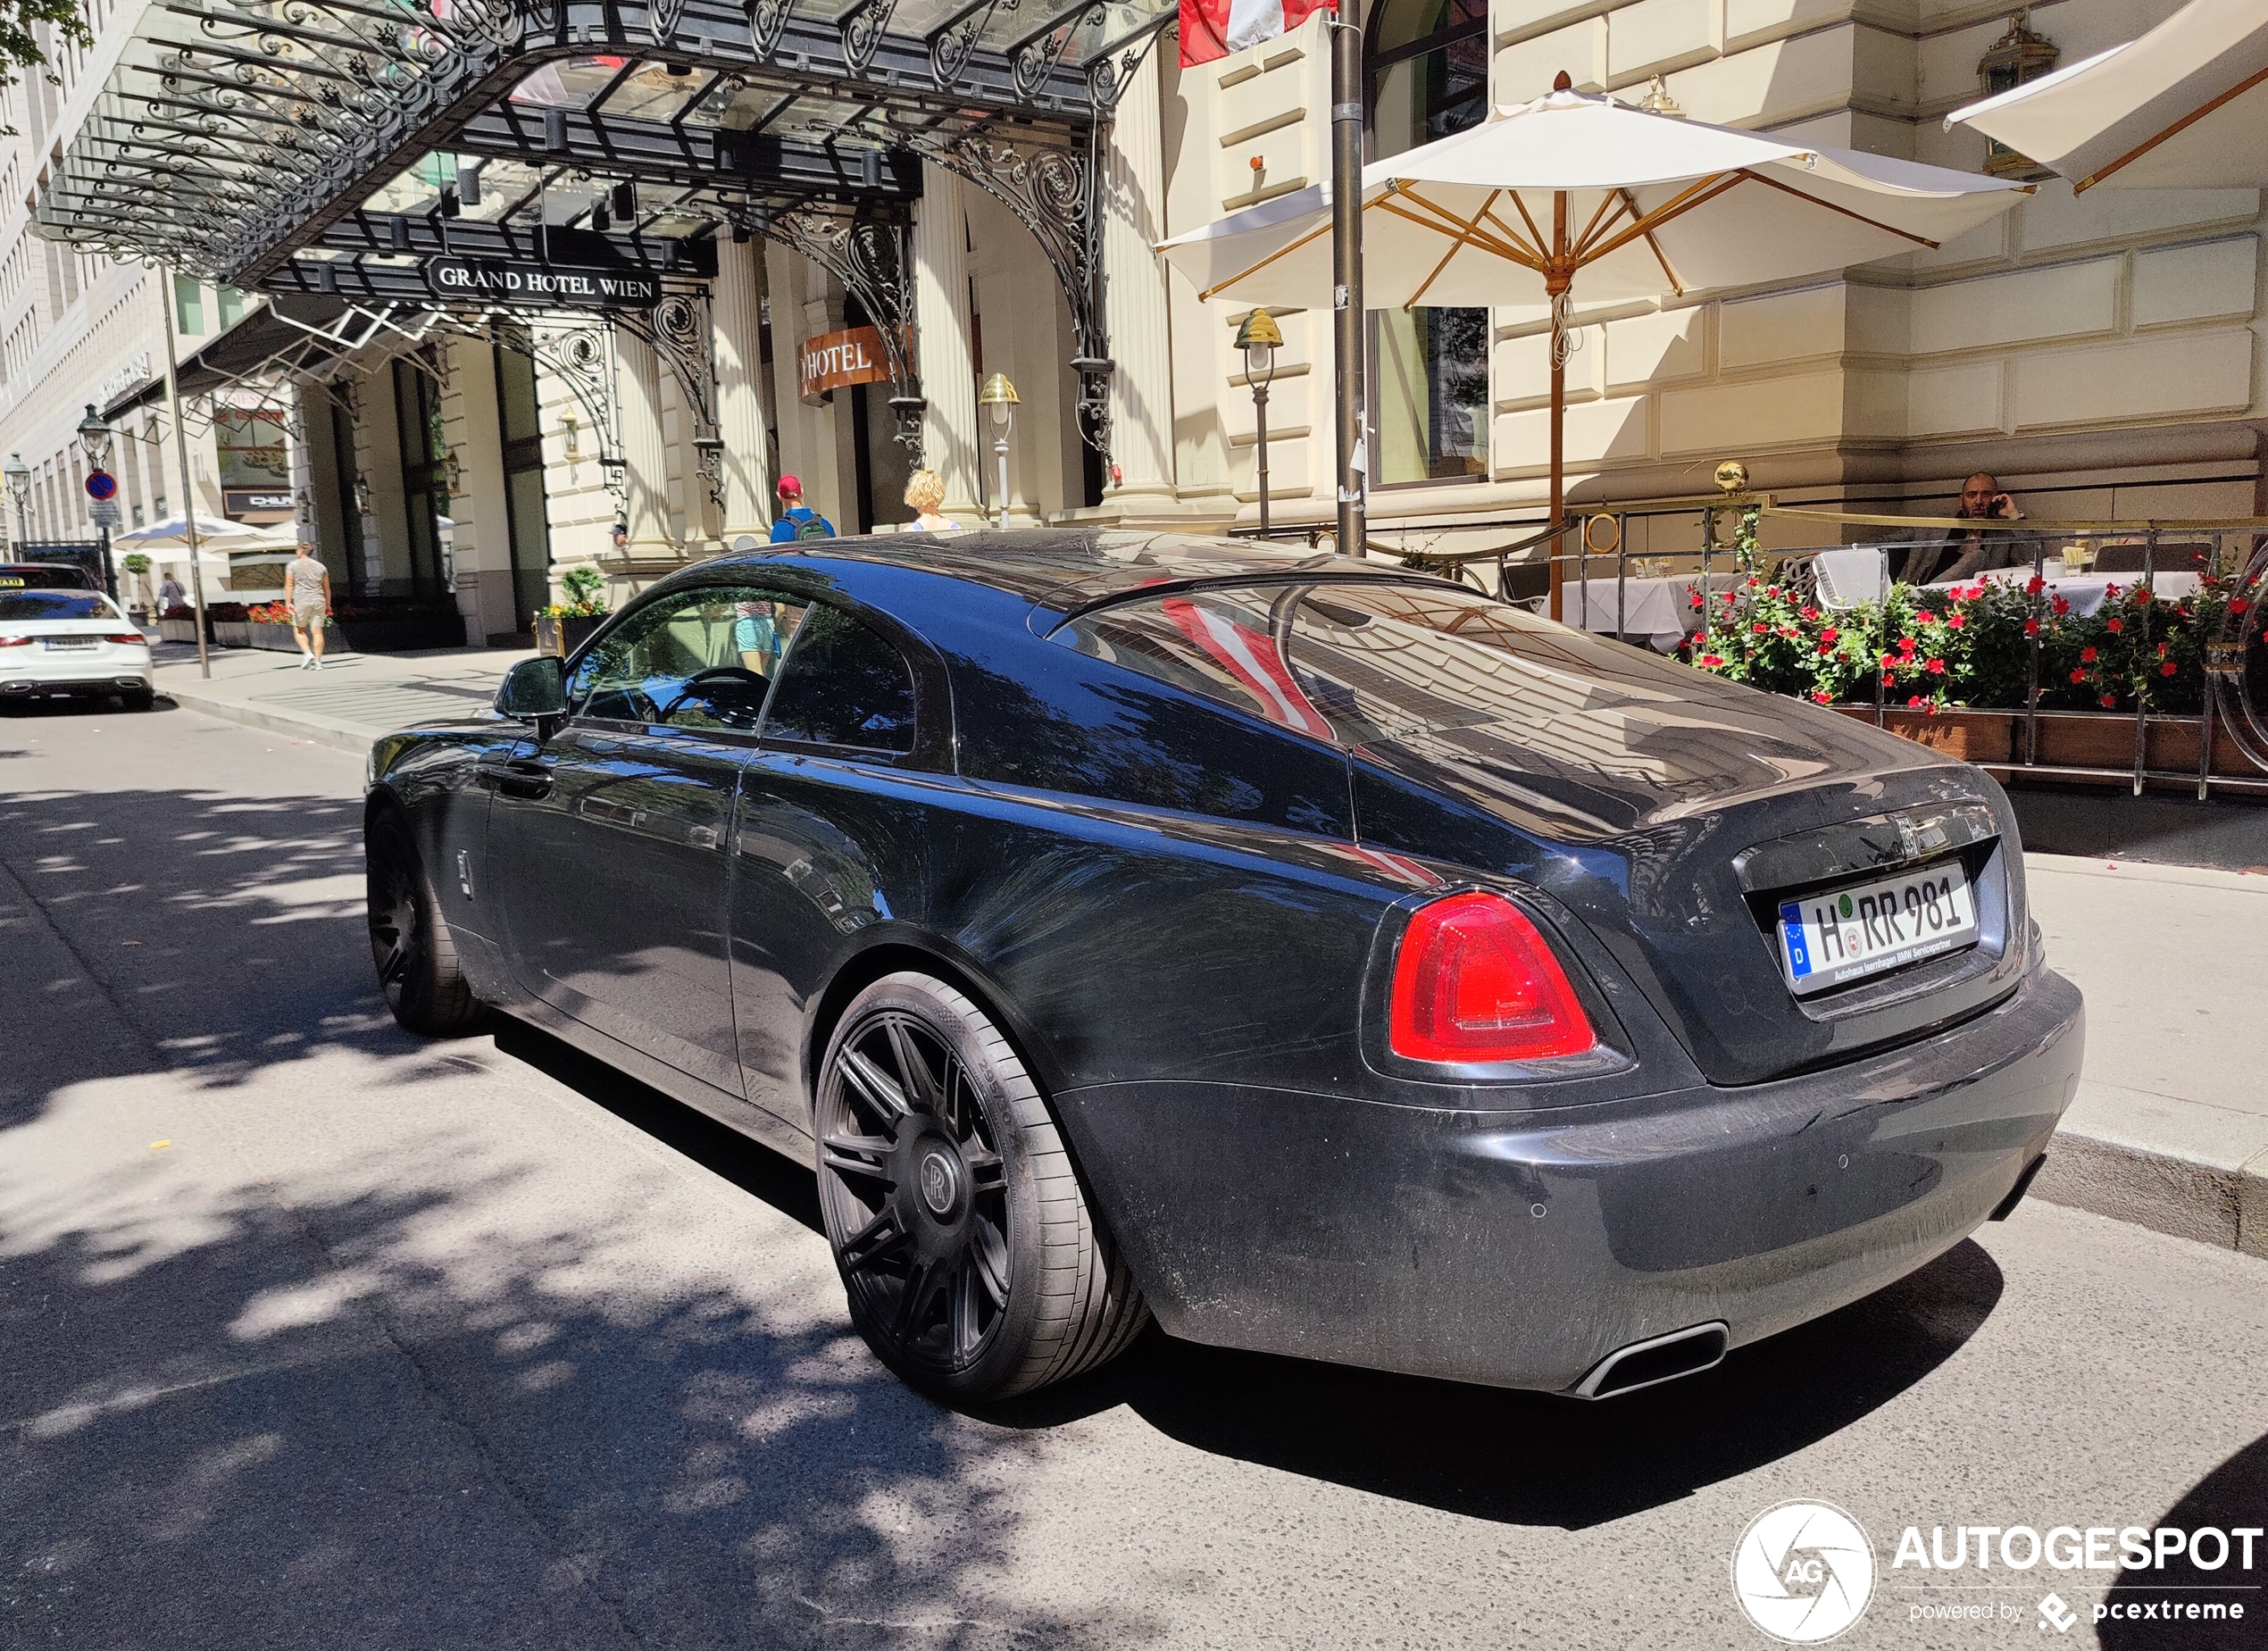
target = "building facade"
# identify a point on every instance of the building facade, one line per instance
(801, 284)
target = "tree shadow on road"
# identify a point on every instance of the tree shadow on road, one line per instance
(2234, 1495)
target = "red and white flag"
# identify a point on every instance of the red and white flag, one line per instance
(1250, 656)
(1212, 28)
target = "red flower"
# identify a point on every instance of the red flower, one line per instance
(1810, 613)
(1760, 627)
(1694, 597)
(1822, 696)
(2110, 593)
(1829, 634)
(2031, 627)
(2114, 626)
(1788, 630)
(1769, 590)
(2142, 593)
(1935, 667)
(1914, 701)
(1710, 661)
(2086, 657)
(2168, 669)
(1959, 621)
(1825, 648)
(2238, 605)
(2109, 700)
(1926, 617)
(1754, 581)
(2062, 605)
(2034, 585)
(1905, 645)
(2079, 676)
(1887, 683)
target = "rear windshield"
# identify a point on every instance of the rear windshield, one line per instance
(54, 605)
(1355, 664)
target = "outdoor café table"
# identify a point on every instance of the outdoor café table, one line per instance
(2087, 592)
(1659, 610)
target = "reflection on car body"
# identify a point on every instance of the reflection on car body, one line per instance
(1318, 956)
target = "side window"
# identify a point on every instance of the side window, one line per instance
(843, 684)
(702, 658)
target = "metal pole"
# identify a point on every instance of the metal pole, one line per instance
(2205, 719)
(1000, 451)
(2141, 688)
(1708, 601)
(1882, 633)
(1346, 277)
(1558, 385)
(1260, 421)
(2037, 605)
(1622, 573)
(110, 573)
(181, 449)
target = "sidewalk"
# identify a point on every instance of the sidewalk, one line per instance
(2169, 1127)
(353, 700)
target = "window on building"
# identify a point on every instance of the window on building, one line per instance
(520, 421)
(425, 487)
(252, 451)
(230, 303)
(1429, 77)
(188, 305)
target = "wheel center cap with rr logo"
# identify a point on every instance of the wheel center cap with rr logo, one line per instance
(940, 1182)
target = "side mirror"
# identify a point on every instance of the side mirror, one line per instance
(533, 689)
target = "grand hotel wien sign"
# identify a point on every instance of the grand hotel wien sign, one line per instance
(513, 281)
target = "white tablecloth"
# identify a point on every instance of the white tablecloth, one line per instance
(2087, 592)
(1660, 610)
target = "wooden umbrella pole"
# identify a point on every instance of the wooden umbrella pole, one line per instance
(1556, 279)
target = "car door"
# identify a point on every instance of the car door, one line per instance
(835, 809)
(612, 837)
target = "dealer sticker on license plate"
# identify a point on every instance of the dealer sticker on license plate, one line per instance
(1841, 934)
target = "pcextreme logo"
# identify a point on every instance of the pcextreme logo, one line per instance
(1803, 1571)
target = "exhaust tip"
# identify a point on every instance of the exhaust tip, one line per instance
(2008, 1205)
(1659, 1359)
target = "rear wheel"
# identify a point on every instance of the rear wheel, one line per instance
(137, 698)
(410, 941)
(973, 1266)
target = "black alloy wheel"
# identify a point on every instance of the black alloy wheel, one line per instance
(972, 1266)
(411, 945)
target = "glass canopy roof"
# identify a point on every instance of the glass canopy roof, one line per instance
(234, 133)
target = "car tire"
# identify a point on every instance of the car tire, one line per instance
(974, 1268)
(138, 699)
(411, 945)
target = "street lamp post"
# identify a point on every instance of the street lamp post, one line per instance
(999, 396)
(94, 441)
(19, 477)
(1258, 338)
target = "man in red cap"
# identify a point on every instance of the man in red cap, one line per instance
(797, 520)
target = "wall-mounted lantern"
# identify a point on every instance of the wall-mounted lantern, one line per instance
(2017, 56)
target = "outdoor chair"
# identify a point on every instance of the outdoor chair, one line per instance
(1849, 576)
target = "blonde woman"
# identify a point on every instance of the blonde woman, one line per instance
(926, 493)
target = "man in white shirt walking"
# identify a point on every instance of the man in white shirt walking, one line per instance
(307, 588)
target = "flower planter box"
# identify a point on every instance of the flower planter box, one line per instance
(410, 634)
(2102, 739)
(231, 632)
(563, 635)
(177, 629)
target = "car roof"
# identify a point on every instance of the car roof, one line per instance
(1065, 568)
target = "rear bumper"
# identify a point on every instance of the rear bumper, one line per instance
(1520, 1249)
(28, 679)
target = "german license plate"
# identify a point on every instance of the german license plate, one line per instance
(1843, 934)
(58, 645)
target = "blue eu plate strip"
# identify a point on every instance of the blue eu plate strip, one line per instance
(1791, 919)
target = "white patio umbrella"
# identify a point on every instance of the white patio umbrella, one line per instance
(1579, 191)
(2184, 107)
(213, 533)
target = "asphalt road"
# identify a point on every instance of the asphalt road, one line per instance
(312, 1334)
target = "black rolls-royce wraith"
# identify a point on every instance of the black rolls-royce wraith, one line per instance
(1318, 955)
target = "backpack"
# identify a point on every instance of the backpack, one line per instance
(816, 528)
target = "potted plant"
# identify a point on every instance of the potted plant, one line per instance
(565, 625)
(137, 566)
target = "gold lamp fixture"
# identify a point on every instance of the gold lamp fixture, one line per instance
(1732, 477)
(998, 398)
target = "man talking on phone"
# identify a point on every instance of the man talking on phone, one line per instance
(1937, 556)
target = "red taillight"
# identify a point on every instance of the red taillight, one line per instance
(1473, 981)
(15, 641)
(133, 639)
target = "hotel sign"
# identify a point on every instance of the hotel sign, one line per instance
(834, 359)
(553, 286)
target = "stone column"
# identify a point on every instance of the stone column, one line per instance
(737, 311)
(646, 454)
(1134, 305)
(948, 362)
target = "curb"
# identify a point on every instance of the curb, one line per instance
(2181, 1196)
(275, 723)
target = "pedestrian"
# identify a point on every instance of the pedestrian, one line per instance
(797, 520)
(756, 637)
(1936, 558)
(170, 594)
(307, 588)
(622, 538)
(925, 491)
